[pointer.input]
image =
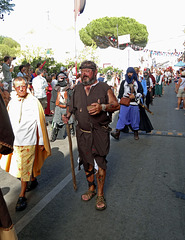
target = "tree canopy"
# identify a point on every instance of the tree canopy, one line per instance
(104, 32)
(9, 47)
(5, 7)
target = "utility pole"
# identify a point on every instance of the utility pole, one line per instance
(48, 15)
(117, 36)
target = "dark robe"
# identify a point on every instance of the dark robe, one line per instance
(6, 147)
(5, 220)
(145, 124)
(92, 132)
(6, 132)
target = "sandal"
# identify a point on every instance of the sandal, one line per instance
(31, 185)
(90, 194)
(100, 200)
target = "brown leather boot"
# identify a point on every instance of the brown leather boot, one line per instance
(136, 136)
(116, 134)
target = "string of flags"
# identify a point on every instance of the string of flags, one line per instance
(160, 53)
(152, 52)
(134, 47)
(124, 41)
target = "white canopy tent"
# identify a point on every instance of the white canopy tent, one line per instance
(121, 59)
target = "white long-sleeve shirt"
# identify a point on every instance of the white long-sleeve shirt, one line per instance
(24, 117)
(160, 81)
(39, 85)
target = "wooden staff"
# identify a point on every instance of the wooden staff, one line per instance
(143, 106)
(71, 156)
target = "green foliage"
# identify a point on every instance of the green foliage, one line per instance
(5, 7)
(9, 47)
(109, 68)
(10, 42)
(29, 55)
(88, 53)
(98, 31)
(69, 62)
(109, 71)
(1, 39)
(85, 37)
(35, 56)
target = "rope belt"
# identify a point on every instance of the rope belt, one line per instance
(85, 131)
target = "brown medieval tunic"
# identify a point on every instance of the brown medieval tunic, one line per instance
(5, 219)
(92, 132)
(6, 147)
(6, 132)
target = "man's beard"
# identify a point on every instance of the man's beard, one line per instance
(89, 82)
(62, 83)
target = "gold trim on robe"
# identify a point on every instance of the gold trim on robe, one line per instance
(40, 156)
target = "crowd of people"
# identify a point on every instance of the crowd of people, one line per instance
(153, 81)
(86, 102)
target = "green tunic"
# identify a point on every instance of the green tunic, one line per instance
(158, 88)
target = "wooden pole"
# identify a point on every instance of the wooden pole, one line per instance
(71, 156)
(75, 48)
(143, 106)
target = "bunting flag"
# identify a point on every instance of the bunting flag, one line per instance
(134, 47)
(152, 52)
(160, 53)
(79, 6)
(82, 6)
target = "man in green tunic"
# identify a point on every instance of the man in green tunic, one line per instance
(158, 85)
(92, 104)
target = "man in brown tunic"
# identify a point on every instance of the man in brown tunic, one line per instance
(7, 230)
(92, 104)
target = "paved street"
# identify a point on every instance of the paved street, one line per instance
(145, 187)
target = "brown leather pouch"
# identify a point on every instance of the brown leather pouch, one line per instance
(125, 101)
